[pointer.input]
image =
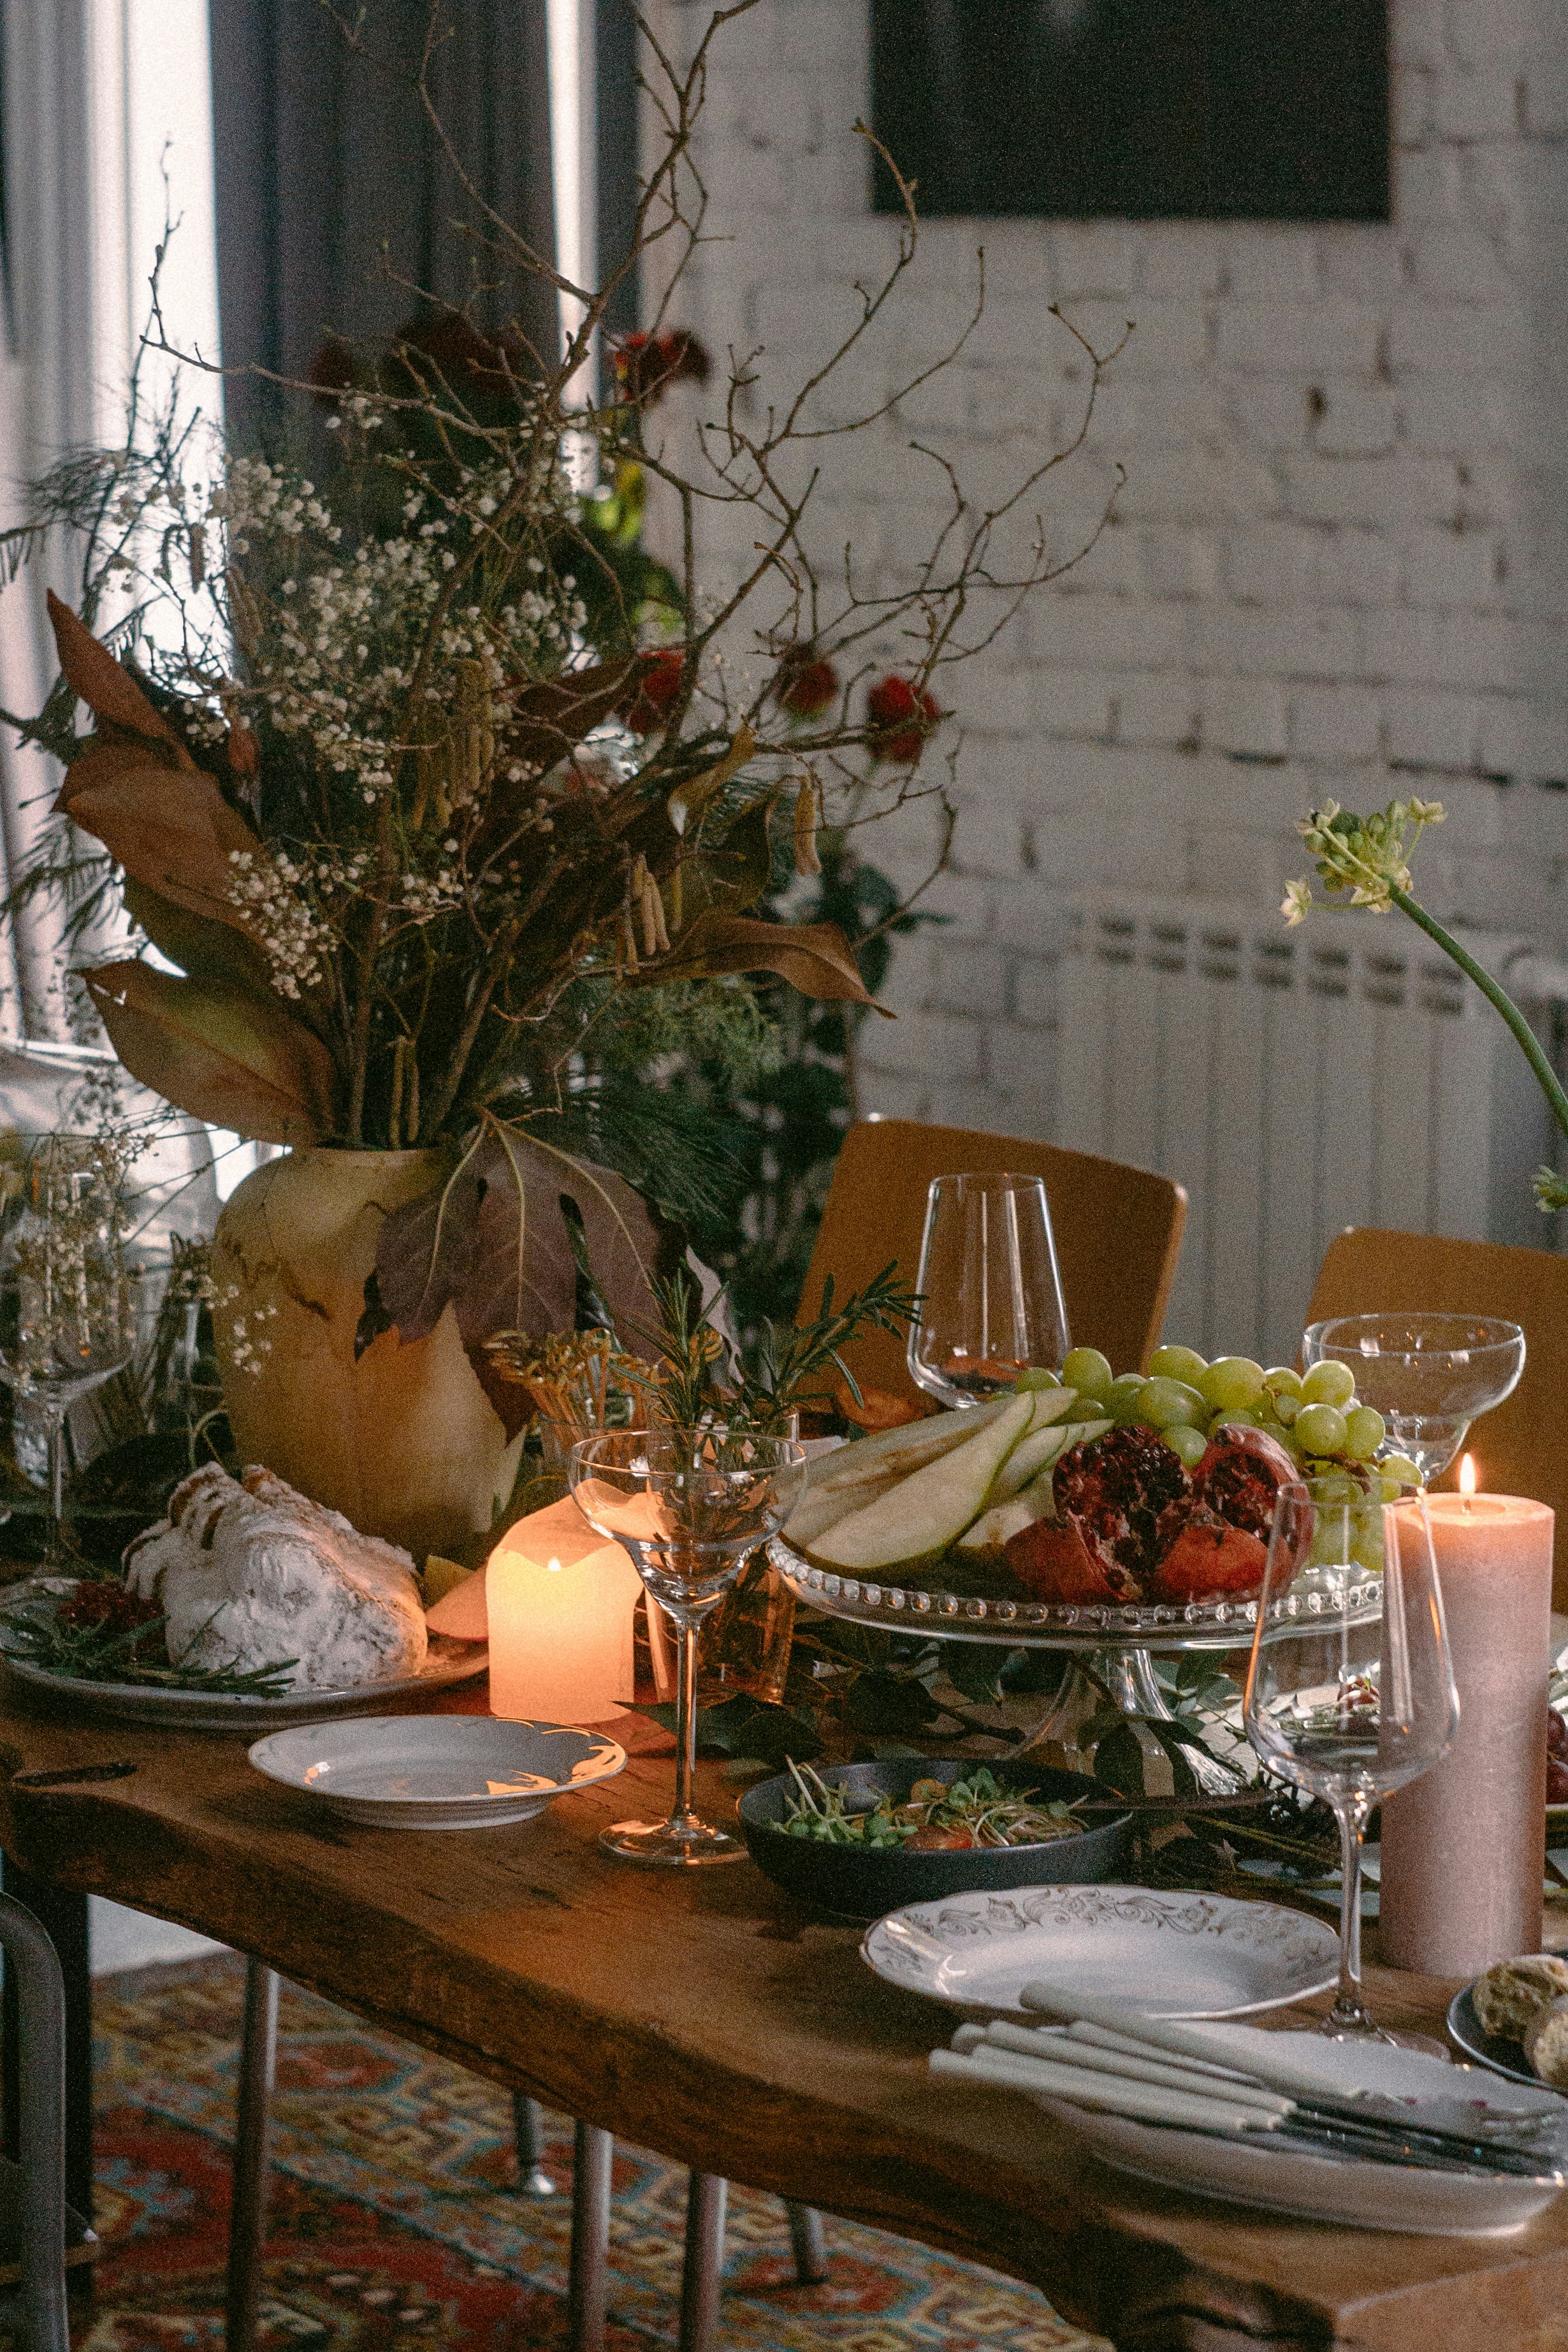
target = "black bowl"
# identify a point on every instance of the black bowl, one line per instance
(866, 1882)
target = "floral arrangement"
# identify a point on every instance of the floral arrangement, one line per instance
(1365, 861)
(443, 805)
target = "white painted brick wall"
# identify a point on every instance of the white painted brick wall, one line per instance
(1340, 563)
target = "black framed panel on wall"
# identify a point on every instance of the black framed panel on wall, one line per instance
(1146, 110)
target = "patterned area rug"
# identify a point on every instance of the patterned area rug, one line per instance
(394, 2227)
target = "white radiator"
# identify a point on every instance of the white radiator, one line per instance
(1295, 1081)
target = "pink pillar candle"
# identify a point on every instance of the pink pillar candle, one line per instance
(1462, 1867)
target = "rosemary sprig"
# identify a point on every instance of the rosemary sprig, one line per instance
(104, 1653)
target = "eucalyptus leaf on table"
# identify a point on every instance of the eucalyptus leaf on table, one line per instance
(745, 1727)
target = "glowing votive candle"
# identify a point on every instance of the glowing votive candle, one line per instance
(1461, 1859)
(559, 1601)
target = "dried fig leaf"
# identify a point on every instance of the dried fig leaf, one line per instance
(492, 1242)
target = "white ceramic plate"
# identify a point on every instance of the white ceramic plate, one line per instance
(446, 1662)
(1325, 2189)
(437, 1771)
(1172, 1954)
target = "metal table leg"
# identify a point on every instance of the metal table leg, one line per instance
(595, 2151)
(807, 2241)
(528, 2135)
(253, 2148)
(706, 2200)
(62, 1913)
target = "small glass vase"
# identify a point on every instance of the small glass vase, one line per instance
(747, 1639)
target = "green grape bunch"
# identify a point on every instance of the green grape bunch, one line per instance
(1184, 1399)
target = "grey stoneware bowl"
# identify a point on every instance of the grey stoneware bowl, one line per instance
(866, 1882)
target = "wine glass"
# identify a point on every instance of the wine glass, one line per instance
(689, 1504)
(1350, 1688)
(65, 1318)
(1428, 1375)
(990, 1295)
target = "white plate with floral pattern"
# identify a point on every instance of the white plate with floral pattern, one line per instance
(1173, 1955)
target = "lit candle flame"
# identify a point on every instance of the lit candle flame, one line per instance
(1467, 1474)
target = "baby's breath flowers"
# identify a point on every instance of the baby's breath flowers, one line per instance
(1366, 862)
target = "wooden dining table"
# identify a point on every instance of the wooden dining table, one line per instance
(709, 2018)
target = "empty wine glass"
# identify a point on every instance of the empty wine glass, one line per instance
(1350, 1690)
(990, 1295)
(689, 1505)
(1428, 1375)
(65, 1321)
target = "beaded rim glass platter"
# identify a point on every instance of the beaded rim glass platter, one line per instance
(446, 1662)
(1160, 1626)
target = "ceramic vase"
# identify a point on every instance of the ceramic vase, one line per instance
(403, 1441)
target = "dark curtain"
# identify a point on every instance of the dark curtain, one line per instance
(615, 40)
(336, 207)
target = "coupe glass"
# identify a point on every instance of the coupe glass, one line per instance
(990, 1296)
(1350, 1690)
(1428, 1375)
(66, 1319)
(689, 1504)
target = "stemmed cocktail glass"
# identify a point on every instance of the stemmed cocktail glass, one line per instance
(689, 1504)
(1428, 1375)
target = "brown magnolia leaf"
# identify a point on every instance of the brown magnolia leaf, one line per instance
(244, 750)
(493, 1244)
(168, 827)
(203, 949)
(814, 958)
(554, 717)
(105, 685)
(689, 800)
(220, 1053)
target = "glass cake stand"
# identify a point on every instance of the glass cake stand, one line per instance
(1118, 1644)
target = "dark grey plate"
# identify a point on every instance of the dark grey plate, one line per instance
(1497, 2051)
(865, 1883)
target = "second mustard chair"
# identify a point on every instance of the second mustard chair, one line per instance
(1521, 1448)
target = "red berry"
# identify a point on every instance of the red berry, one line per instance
(647, 364)
(807, 685)
(656, 682)
(900, 718)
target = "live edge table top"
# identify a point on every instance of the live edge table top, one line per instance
(706, 2017)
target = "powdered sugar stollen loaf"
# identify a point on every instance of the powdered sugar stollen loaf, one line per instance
(249, 1573)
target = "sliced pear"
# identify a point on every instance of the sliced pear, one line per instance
(993, 1527)
(908, 1447)
(822, 1508)
(926, 1512)
(1038, 1452)
(1052, 1404)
